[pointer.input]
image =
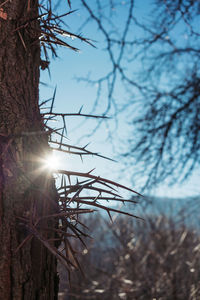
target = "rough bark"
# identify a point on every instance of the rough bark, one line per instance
(26, 191)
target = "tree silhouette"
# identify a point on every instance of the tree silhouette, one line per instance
(168, 122)
(154, 59)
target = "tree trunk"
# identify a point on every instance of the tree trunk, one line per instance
(27, 191)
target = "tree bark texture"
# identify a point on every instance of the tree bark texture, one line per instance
(27, 192)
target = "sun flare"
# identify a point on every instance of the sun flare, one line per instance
(51, 162)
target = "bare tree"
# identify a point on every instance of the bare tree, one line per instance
(135, 260)
(168, 123)
(154, 56)
(35, 218)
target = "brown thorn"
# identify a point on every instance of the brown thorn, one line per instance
(21, 38)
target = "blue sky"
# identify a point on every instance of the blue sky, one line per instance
(72, 94)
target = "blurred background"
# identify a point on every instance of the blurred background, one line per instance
(142, 71)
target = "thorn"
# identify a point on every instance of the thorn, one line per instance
(80, 110)
(110, 216)
(62, 136)
(53, 99)
(91, 171)
(68, 176)
(21, 38)
(69, 3)
(86, 146)
(62, 181)
(81, 158)
(63, 117)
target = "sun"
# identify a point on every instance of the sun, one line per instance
(51, 162)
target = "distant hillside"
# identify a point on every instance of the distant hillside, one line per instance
(178, 208)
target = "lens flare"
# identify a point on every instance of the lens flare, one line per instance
(51, 162)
